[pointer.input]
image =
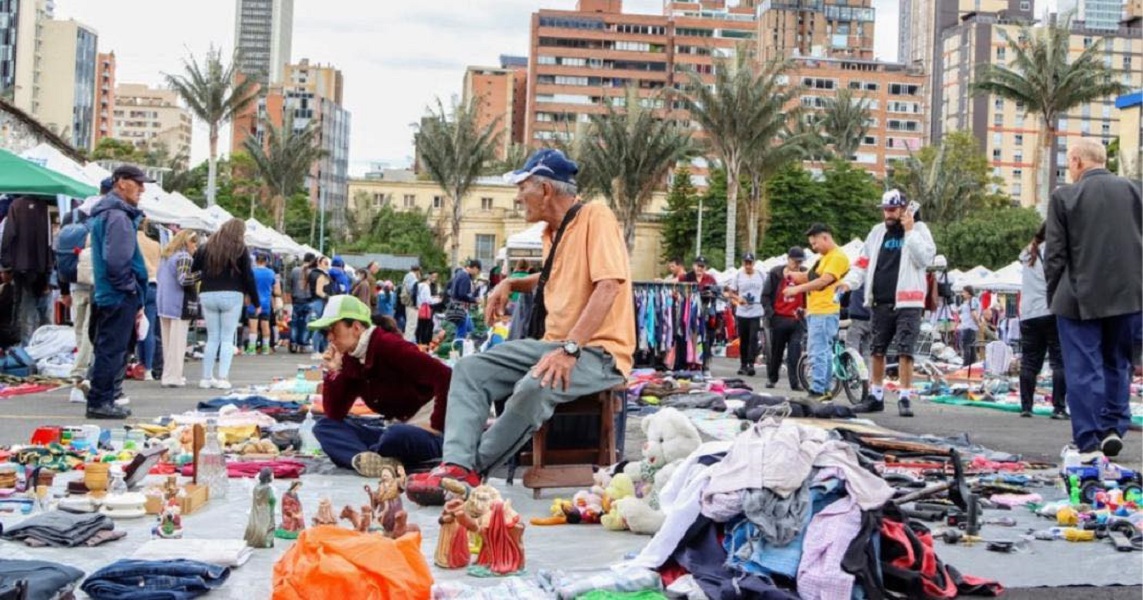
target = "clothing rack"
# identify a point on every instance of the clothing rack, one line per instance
(669, 329)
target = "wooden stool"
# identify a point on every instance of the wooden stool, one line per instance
(572, 467)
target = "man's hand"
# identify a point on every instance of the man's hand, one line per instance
(496, 302)
(555, 369)
(907, 220)
(792, 291)
(66, 301)
(331, 360)
(841, 288)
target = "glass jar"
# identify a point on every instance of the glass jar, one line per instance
(211, 467)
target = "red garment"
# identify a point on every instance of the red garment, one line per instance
(911, 567)
(283, 468)
(787, 307)
(396, 380)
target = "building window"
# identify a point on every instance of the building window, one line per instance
(1017, 190)
(996, 154)
(438, 202)
(1105, 129)
(486, 203)
(1025, 6)
(517, 205)
(1017, 174)
(409, 201)
(1019, 119)
(998, 104)
(1063, 124)
(486, 248)
(1018, 156)
(378, 200)
(869, 140)
(1126, 63)
(998, 120)
(1019, 139)
(1106, 111)
(1087, 42)
(1001, 53)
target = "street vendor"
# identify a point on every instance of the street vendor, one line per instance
(394, 379)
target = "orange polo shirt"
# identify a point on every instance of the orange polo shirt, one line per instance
(592, 249)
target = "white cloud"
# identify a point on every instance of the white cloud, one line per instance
(396, 56)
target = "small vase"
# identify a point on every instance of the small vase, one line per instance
(95, 477)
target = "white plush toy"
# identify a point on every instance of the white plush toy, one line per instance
(671, 437)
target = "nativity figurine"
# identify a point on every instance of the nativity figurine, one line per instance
(499, 528)
(453, 551)
(260, 529)
(388, 510)
(170, 525)
(361, 521)
(324, 514)
(293, 521)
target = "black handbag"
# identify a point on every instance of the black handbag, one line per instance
(191, 308)
(536, 321)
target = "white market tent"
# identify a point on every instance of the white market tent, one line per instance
(260, 236)
(52, 159)
(1008, 279)
(975, 277)
(531, 238)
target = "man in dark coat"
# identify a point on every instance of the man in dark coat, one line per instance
(26, 249)
(1094, 270)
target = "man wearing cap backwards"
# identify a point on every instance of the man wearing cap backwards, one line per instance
(394, 379)
(583, 346)
(823, 312)
(784, 315)
(746, 293)
(896, 252)
(120, 286)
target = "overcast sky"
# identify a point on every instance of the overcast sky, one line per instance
(396, 56)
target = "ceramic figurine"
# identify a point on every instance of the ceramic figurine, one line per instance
(500, 529)
(293, 521)
(324, 514)
(362, 521)
(260, 529)
(388, 511)
(452, 544)
(170, 525)
(171, 487)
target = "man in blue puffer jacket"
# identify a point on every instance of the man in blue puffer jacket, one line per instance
(120, 281)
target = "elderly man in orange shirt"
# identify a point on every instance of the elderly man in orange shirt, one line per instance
(582, 330)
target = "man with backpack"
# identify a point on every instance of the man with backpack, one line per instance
(462, 296)
(76, 280)
(298, 297)
(338, 277)
(407, 297)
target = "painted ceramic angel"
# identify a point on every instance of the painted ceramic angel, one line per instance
(260, 529)
(293, 521)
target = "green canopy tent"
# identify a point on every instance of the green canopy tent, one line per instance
(22, 176)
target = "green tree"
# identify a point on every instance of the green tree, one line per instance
(679, 224)
(714, 208)
(950, 181)
(514, 158)
(845, 121)
(113, 149)
(992, 238)
(404, 233)
(454, 149)
(796, 199)
(213, 93)
(299, 218)
(624, 158)
(1042, 76)
(850, 196)
(283, 162)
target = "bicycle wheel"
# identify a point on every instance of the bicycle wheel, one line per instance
(804, 372)
(849, 379)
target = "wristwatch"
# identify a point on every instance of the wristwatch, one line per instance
(571, 348)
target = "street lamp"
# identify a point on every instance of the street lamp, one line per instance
(321, 218)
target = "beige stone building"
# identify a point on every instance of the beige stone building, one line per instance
(67, 81)
(1129, 109)
(490, 213)
(147, 116)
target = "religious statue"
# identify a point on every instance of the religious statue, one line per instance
(324, 514)
(452, 550)
(500, 529)
(170, 526)
(388, 510)
(361, 521)
(260, 529)
(293, 521)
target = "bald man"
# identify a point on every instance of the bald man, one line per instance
(1094, 270)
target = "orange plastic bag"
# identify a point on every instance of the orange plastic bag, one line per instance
(332, 562)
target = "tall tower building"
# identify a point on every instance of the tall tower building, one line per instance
(817, 28)
(263, 30)
(104, 97)
(1095, 15)
(502, 94)
(21, 50)
(67, 81)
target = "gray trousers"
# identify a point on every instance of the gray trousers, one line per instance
(859, 336)
(479, 380)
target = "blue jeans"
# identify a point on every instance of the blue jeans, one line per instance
(299, 335)
(412, 445)
(114, 330)
(145, 349)
(318, 341)
(1097, 367)
(168, 579)
(822, 332)
(221, 311)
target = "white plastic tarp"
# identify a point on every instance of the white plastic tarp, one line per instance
(258, 235)
(531, 238)
(1008, 279)
(218, 216)
(54, 160)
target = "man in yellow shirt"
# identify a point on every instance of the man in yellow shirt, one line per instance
(823, 311)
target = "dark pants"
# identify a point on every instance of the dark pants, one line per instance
(1097, 364)
(748, 340)
(424, 333)
(145, 349)
(785, 336)
(114, 332)
(342, 440)
(1038, 337)
(299, 335)
(968, 346)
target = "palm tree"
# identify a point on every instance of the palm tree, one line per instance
(283, 162)
(214, 94)
(1043, 77)
(734, 114)
(454, 150)
(513, 159)
(845, 122)
(625, 156)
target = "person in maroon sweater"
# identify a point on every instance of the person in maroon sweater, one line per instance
(394, 378)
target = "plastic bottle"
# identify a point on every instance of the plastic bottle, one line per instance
(310, 444)
(1070, 457)
(118, 483)
(211, 467)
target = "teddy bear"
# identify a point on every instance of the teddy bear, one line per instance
(671, 437)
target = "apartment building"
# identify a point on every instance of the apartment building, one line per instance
(22, 50)
(502, 93)
(489, 214)
(263, 34)
(1095, 15)
(149, 117)
(104, 97)
(821, 28)
(1008, 134)
(67, 81)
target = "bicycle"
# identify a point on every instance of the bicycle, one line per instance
(847, 370)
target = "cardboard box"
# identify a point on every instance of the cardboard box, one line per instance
(195, 498)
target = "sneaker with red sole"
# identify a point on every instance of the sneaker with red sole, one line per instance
(425, 488)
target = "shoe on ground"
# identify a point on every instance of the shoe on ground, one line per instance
(267, 351)
(205, 384)
(770, 385)
(251, 350)
(820, 398)
(1111, 445)
(147, 376)
(904, 408)
(1090, 456)
(77, 395)
(369, 464)
(293, 349)
(222, 384)
(870, 405)
(122, 401)
(742, 371)
(1027, 414)
(1060, 416)
(108, 412)
(425, 488)
(750, 372)
(316, 356)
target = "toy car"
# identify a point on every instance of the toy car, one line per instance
(1093, 479)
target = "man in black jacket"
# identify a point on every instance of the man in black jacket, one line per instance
(1094, 270)
(784, 320)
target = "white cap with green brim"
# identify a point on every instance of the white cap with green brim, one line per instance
(339, 308)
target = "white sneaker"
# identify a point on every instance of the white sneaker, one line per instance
(77, 396)
(147, 376)
(316, 356)
(221, 384)
(122, 401)
(206, 384)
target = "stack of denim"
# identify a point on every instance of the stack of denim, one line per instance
(154, 580)
(45, 580)
(62, 529)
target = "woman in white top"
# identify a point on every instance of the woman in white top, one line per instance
(425, 303)
(1038, 335)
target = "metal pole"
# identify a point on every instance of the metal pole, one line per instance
(698, 239)
(321, 218)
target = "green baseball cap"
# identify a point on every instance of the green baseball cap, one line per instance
(339, 308)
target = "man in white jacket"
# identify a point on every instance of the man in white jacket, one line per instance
(892, 268)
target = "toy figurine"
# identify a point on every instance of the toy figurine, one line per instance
(452, 544)
(260, 529)
(170, 525)
(362, 521)
(388, 511)
(324, 514)
(293, 521)
(500, 528)
(171, 487)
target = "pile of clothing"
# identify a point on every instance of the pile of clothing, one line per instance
(64, 530)
(788, 511)
(648, 390)
(181, 579)
(38, 579)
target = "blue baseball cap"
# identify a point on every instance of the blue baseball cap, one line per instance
(106, 185)
(894, 199)
(547, 162)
